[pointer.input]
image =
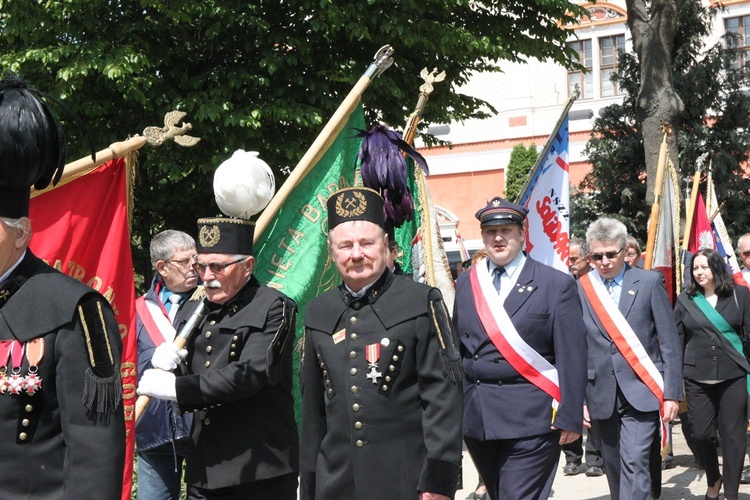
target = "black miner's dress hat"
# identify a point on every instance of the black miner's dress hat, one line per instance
(355, 203)
(32, 146)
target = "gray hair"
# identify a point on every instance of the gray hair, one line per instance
(23, 224)
(743, 237)
(632, 242)
(583, 247)
(165, 244)
(606, 230)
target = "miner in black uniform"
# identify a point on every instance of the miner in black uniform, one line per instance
(238, 378)
(61, 416)
(381, 404)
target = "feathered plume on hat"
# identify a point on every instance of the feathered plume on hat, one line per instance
(32, 144)
(243, 186)
(383, 169)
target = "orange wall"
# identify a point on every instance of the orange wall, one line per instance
(464, 194)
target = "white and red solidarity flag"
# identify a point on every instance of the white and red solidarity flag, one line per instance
(81, 229)
(721, 236)
(548, 198)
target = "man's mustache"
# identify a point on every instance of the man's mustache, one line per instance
(212, 284)
(365, 262)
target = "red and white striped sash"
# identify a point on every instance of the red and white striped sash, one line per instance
(153, 317)
(619, 330)
(522, 357)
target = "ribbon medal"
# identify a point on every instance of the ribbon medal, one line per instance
(14, 383)
(34, 352)
(372, 354)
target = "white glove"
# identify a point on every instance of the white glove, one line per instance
(158, 384)
(167, 356)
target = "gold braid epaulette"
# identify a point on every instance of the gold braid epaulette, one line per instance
(198, 294)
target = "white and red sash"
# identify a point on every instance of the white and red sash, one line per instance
(619, 330)
(155, 321)
(522, 357)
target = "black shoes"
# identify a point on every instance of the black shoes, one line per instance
(571, 469)
(594, 471)
(745, 477)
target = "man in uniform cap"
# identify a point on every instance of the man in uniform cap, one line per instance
(524, 358)
(381, 403)
(61, 416)
(238, 375)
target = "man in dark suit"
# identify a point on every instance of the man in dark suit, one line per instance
(628, 316)
(381, 396)
(237, 375)
(524, 357)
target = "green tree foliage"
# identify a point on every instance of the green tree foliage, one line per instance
(262, 75)
(714, 122)
(522, 160)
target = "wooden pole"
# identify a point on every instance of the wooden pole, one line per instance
(326, 137)
(653, 221)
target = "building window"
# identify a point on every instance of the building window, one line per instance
(610, 48)
(740, 26)
(577, 78)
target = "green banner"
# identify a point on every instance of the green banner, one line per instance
(292, 253)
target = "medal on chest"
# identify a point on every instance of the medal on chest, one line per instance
(14, 381)
(34, 352)
(372, 354)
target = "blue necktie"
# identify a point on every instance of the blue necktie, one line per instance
(496, 274)
(610, 284)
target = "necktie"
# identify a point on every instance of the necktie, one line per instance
(174, 306)
(496, 274)
(610, 284)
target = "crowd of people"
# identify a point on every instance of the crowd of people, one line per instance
(393, 383)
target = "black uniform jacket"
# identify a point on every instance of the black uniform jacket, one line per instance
(239, 383)
(704, 358)
(390, 436)
(65, 441)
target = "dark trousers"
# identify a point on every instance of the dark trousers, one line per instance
(574, 451)
(627, 438)
(723, 403)
(275, 488)
(517, 468)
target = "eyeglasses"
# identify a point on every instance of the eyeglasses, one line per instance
(609, 255)
(215, 267)
(182, 263)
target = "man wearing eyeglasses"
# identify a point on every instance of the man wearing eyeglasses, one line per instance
(524, 356)
(236, 376)
(634, 358)
(162, 432)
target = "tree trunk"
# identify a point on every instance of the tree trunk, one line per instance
(653, 25)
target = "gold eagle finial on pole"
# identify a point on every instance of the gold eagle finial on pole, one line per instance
(156, 136)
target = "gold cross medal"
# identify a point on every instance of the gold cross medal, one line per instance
(372, 354)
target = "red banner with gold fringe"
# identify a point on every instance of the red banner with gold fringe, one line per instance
(81, 229)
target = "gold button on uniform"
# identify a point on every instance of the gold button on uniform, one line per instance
(395, 358)
(353, 371)
(207, 421)
(208, 335)
(207, 364)
(235, 337)
(385, 387)
(209, 349)
(330, 392)
(358, 425)
(400, 348)
(352, 354)
(25, 422)
(354, 389)
(212, 322)
(391, 368)
(29, 408)
(355, 407)
(353, 336)
(353, 320)
(23, 436)
(360, 443)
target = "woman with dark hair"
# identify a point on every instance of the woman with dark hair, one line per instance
(711, 318)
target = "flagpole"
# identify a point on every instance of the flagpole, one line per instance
(654, 219)
(689, 216)
(547, 146)
(382, 61)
